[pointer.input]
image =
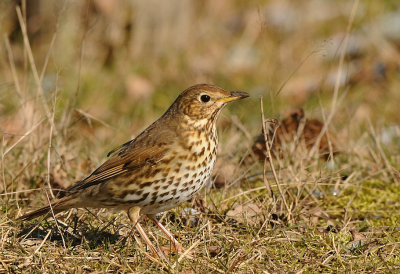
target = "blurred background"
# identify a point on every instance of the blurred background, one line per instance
(109, 68)
(125, 61)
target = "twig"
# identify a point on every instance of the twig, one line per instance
(267, 184)
(269, 157)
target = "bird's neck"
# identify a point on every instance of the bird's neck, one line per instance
(204, 126)
(198, 134)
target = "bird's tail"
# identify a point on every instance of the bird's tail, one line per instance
(55, 207)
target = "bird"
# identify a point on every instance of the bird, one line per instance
(164, 166)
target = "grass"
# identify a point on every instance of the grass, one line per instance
(86, 77)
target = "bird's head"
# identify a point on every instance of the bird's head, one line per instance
(204, 102)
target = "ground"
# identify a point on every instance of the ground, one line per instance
(79, 78)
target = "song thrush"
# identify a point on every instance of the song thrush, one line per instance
(165, 165)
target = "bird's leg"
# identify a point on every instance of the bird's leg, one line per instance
(178, 247)
(134, 215)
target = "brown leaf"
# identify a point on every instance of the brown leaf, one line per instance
(294, 126)
(214, 250)
(244, 213)
(357, 236)
(358, 239)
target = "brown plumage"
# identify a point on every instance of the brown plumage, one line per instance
(162, 167)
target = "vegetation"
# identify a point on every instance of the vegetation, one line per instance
(81, 77)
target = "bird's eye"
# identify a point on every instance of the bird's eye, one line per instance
(205, 98)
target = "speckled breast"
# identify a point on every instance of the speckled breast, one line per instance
(185, 170)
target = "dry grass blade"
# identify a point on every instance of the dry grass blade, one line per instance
(33, 66)
(55, 219)
(42, 243)
(395, 174)
(23, 137)
(187, 251)
(12, 65)
(269, 158)
(50, 145)
(334, 106)
(3, 175)
(89, 117)
(240, 257)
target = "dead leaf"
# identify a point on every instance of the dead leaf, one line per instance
(244, 213)
(293, 236)
(359, 239)
(214, 250)
(295, 127)
(357, 236)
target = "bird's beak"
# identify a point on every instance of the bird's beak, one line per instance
(235, 95)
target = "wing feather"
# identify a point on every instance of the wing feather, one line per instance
(131, 156)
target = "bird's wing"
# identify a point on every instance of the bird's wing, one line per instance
(146, 150)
